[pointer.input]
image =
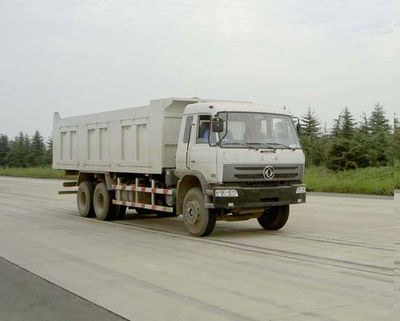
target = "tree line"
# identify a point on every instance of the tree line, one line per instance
(350, 144)
(25, 151)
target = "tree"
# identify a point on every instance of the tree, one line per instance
(361, 148)
(347, 124)
(378, 123)
(37, 150)
(344, 125)
(310, 136)
(342, 153)
(49, 151)
(18, 153)
(396, 139)
(336, 127)
(310, 124)
(379, 130)
(4, 148)
(363, 126)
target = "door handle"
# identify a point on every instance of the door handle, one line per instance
(193, 161)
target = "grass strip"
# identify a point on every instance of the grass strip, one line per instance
(33, 172)
(370, 180)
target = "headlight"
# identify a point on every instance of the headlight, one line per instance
(300, 190)
(226, 193)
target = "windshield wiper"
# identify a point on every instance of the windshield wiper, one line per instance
(265, 145)
(283, 145)
(249, 145)
(257, 145)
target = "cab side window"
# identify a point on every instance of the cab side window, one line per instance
(203, 129)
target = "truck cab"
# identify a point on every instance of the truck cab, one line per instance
(246, 159)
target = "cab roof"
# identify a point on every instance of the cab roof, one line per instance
(213, 107)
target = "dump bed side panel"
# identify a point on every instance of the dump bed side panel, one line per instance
(133, 140)
(118, 141)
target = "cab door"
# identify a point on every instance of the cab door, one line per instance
(202, 157)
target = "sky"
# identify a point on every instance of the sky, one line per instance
(87, 56)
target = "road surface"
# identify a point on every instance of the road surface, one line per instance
(334, 260)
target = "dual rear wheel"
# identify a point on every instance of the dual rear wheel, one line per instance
(85, 199)
(96, 200)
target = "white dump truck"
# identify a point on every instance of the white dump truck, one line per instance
(206, 160)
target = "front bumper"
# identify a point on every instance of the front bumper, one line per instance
(259, 197)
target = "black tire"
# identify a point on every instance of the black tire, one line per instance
(102, 203)
(119, 212)
(84, 199)
(274, 218)
(199, 221)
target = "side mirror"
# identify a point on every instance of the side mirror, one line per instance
(217, 125)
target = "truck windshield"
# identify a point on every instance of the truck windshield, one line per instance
(258, 130)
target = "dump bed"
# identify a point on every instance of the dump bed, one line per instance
(138, 140)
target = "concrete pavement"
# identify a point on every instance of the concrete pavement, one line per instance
(25, 296)
(332, 261)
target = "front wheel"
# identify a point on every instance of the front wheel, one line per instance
(274, 218)
(198, 220)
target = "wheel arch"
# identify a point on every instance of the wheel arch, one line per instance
(185, 183)
(86, 177)
(96, 178)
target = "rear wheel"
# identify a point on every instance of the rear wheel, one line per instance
(199, 221)
(274, 218)
(102, 203)
(85, 199)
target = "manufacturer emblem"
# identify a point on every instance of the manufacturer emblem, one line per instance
(268, 172)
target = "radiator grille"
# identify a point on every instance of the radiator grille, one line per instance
(242, 173)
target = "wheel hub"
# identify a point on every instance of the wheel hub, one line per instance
(192, 212)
